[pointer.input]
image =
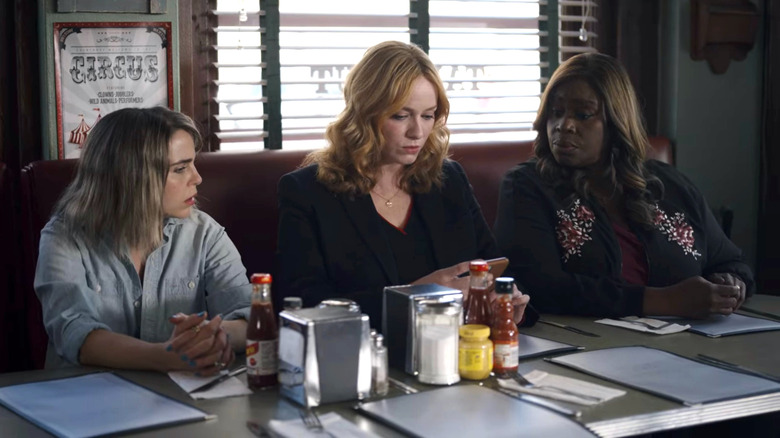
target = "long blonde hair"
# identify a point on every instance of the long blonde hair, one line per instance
(627, 144)
(117, 193)
(376, 88)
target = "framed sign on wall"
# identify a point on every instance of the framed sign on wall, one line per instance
(102, 67)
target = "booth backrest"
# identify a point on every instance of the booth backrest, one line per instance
(239, 191)
(7, 250)
(486, 163)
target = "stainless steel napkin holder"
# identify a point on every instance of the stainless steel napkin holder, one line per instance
(324, 355)
(399, 320)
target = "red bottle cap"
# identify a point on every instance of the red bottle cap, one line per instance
(479, 266)
(261, 279)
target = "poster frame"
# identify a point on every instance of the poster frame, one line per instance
(62, 30)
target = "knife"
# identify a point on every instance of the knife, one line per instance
(220, 379)
(402, 386)
(540, 402)
(720, 363)
(760, 313)
(569, 328)
(259, 431)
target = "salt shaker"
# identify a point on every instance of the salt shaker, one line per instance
(437, 340)
(379, 381)
(292, 303)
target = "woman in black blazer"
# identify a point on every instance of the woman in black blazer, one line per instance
(381, 205)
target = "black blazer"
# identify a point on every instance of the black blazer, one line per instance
(332, 245)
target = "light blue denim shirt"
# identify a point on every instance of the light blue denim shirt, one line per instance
(81, 288)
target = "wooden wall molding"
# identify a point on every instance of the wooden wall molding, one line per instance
(722, 30)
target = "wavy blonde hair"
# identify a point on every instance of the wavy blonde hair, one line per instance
(626, 142)
(376, 88)
(117, 193)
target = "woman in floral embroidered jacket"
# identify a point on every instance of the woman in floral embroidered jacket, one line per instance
(590, 227)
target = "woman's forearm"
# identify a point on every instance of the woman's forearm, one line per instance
(114, 350)
(236, 330)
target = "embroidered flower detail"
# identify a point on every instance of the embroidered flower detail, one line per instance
(677, 230)
(574, 229)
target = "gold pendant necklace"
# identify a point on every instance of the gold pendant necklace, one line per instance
(388, 201)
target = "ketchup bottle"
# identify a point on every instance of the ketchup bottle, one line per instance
(262, 336)
(478, 308)
(504, 333)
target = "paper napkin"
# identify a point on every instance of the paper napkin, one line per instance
(636, 323)
(333, 425)
(550, 386)
(229, 388)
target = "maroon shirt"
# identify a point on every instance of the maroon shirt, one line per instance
(634, 258)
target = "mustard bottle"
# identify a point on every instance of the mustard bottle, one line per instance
(475, 352)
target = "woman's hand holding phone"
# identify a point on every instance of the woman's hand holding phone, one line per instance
(497, 267)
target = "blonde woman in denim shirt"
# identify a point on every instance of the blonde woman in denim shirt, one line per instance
(130, 274)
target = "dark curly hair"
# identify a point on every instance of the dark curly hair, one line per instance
(625, 136)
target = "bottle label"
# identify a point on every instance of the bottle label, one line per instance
(262, 357)
(474, 359)
(505, 354)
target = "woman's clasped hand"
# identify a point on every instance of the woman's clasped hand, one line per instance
(199, 344)
(697, 297)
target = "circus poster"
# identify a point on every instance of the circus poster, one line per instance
(102, 67)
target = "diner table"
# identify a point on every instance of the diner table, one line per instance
(634, 413)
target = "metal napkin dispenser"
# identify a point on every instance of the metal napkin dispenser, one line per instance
(324, 355)
(399, 320)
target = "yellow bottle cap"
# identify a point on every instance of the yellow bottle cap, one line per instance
(474, 331)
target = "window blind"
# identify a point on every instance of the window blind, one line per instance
(488, 55)
(577, 24)
(281, 65)
(240, 101)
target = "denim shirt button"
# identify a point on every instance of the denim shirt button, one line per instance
(137, 303)
(191, 284)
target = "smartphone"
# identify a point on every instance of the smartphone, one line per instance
(497, 267)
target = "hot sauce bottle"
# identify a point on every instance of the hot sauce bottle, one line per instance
(504, 332)
(262, 336)
(478, 308)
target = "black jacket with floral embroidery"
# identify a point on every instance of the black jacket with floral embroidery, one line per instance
(564, 252)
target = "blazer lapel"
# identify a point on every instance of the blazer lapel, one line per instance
(362, 213)
(434, 215)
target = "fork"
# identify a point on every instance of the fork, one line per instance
(312, 422)
(646, 325)
(527, 384)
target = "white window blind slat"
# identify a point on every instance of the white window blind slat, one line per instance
(261, 117)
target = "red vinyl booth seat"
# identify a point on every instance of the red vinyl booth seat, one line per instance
(239, 191)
